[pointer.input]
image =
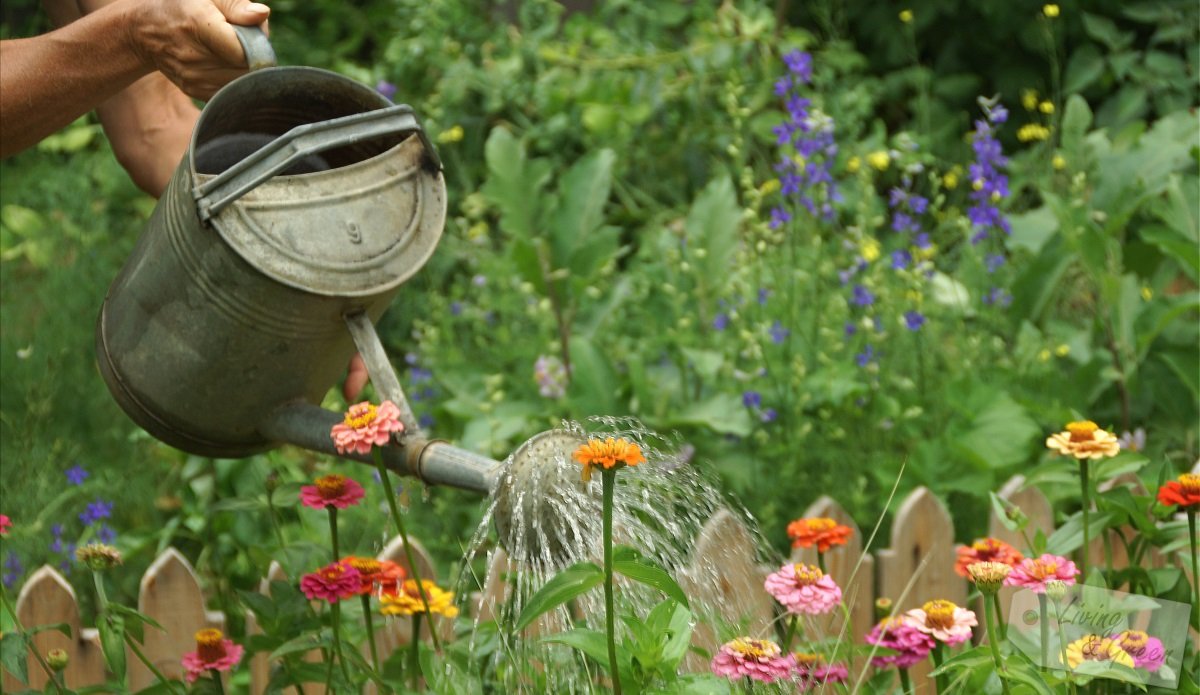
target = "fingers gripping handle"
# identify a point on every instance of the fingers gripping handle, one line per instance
(257, 46)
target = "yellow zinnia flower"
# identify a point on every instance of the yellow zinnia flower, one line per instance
(1084, 440)
(408, 601)
(1096, 648)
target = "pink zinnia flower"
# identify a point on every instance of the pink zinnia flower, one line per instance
(1147, 652)
(5, 525)
(332, 583)
(213, 653)
(761, 660)
(804, 589)
(812, 670)
(945, 621)
(332, 491)
(1034, 573)
(366, 426)
(901, 636)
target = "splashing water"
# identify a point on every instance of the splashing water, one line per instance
(547, 519)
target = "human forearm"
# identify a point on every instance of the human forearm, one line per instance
(48, 81)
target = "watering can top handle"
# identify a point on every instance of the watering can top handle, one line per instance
(257, 47)
(299, 142)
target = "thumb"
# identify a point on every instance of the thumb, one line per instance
(243, 12)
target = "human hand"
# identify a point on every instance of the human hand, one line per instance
(191, 42)
(356, 378)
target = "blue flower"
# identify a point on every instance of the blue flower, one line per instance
(752, 399)
(919, 204)
(913, 320)
(106, 534)
(862, 296)
(779, 333)
(800, 65)
(15, 570)
(479, 281)
(768, 415)
(419, 375)
(720, 322)
(901, 259)
(456, 308)
(426, 421)
(387, 89)
(96, 511)
(998, 296)
(993, 262)
(866, 356)
(779, 217)
(849, 329)
(76, 475)
(763, 294)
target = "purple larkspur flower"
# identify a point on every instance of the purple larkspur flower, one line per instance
(901, 259)
(921, 241)
(419, 375)
(720, 322)
(997, 296)
(763, 295)
(779, 217)
(807, 146)
(768, 415)
(426, 421)
(849, 329)
(752, 399)
(106, 534)
(913, 320)
(865, 357)
(95, 511)
(14, 570)
(993, 262)
(779, 333)
(800, 64)
(387, 89)
(76, 475)
(862, 296)
(918, 204)
(456, 308)
(989, 184)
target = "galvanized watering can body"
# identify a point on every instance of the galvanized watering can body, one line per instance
(302, 204)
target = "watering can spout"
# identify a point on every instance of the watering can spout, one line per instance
(433, 461)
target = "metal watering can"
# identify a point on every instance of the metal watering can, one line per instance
(304, 200)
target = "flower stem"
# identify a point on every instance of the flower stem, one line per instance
(821, 562)
(149, 665)
(991, 617)
(1087, 503)
(29, 640)
(333, 534)
(1000, 626)
(366, 604)
(905, 682)
(1044, 626)
(390, 494)
(791, 632)
(414, 660)
(216, 676)
(939, 657)
(609, 478)
(1191, 515)
(337, 638)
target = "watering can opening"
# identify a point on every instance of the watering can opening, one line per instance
(259, 107)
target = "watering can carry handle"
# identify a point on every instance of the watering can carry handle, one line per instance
(257, 46)
(300, 142)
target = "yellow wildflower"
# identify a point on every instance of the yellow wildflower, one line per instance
(906, 16)
(950, 179)
(879, 159)
(1058, 162)
(769, 186)
(1033, 131)
(869, 249)
(1044, 356)
(1147, 293)
(1029, 99)
(1051, 11)
(1046, 107)
(454, 134)
(1062, 350)
(853, 165)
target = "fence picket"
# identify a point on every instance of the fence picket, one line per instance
(48, 599)
(919, 565)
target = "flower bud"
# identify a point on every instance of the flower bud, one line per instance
(57, 659)
(98, 557)
(883, 608)
(1056, 590)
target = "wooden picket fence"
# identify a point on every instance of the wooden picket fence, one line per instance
(917, 565)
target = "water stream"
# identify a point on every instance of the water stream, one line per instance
(546, 519)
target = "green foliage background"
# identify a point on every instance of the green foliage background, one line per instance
(599, 151)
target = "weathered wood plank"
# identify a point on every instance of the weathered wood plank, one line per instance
(47, 599)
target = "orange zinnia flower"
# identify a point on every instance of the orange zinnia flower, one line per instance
(608, 453)
(1184, 491)
(822, 532)
(986, 550)
(1084, 440)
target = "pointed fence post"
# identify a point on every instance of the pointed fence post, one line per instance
(47, 599)
(1033, 504)
(919, 565)
(852, 569)
(725, 575)
(396, 632)
(170, 594)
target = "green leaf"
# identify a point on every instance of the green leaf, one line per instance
(1000, 508)
(112, 644)
(1028, 675)
(1103, 30)
(591, 642)
(303, 643)
(286, 495)
(722, 413)
(562, 587)
(583, 194)
(1077, 117)
(1069, 536)
(514, 183)
(12, 656)
(236, 504)
(58, 627)
(1031, 230)
(1085, 67)
(593, 387)
(643, 571)
(1001, 434)
(712, 233)
(706, 362)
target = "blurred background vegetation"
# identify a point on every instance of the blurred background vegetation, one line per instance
(609, 169)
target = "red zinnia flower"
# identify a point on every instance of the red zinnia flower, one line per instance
(332, 583)
(332, 491)
(378, 576)
(5, 525)
(1184, 491)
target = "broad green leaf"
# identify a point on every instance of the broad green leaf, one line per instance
(514, 183)
(1039, 279)
(1184, 251)
(593, 387)
(591, 642)
(1000, 507)
(706, 362)
(303, 643)
(1103, 30)
(571, 582)
(1001, 434)
(1077, 116)
(286, 495)
(1085, 66)
(238, 505)
(643, 571)
(583, 194)
(1069, 536)
(950, 293)
(1031, 230)
(1028, 675)
(723, 413)
(112, 644)
(12, 656)
(712, 233)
